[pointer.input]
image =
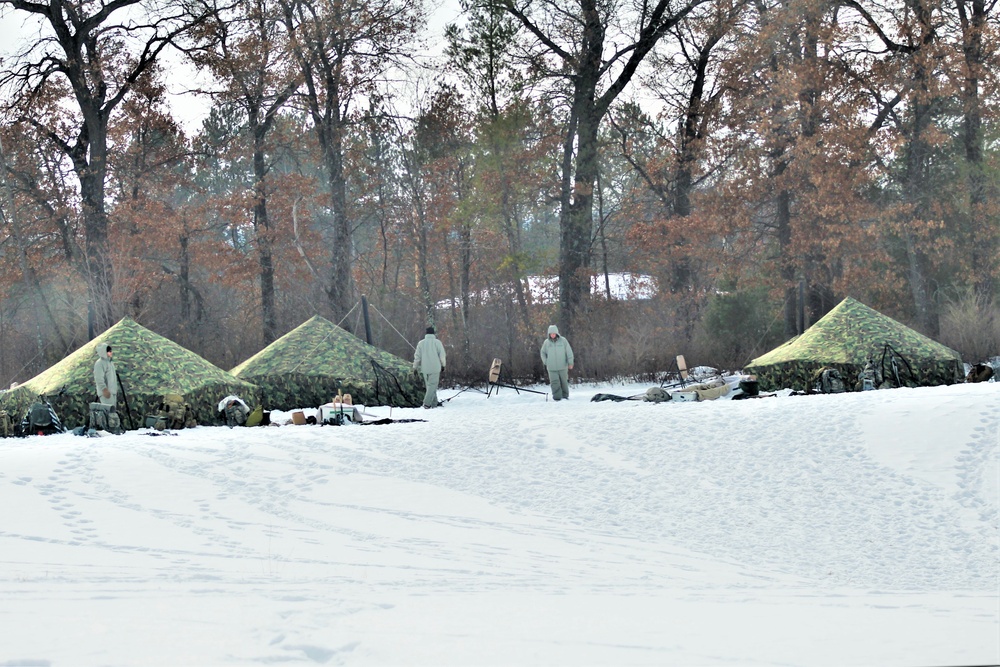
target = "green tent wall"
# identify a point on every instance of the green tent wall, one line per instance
(308, 366)
(149, 366)
(844, 339)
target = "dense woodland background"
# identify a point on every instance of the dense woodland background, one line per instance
(751, 157)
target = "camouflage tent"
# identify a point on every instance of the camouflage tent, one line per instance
(308, 366)
(149, 366)
(845, 339)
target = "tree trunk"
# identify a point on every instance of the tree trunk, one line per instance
(320, 53)
(786, 262)
(184, 278)
(97, 256)
(917, 186)
(262, 226)
(576, 222)
(690, 136)
(984, 248)
(340, 289)
(465, 281)
(512, 227)
(423, 275)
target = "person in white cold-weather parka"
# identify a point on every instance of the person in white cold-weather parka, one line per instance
(557, 355)
(429, 361)
(105, 377)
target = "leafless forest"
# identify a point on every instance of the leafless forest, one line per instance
(759, 160)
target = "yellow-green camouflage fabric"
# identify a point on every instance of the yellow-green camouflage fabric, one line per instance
(308, 366)
(844, 339)
(149, 366)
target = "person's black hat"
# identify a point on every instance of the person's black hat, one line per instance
(430, 330)
(109, 348)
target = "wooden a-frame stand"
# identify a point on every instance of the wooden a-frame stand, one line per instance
(679, 370)
(496, 380)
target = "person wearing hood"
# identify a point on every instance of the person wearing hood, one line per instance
(105, 376)
(557, 355)
(429, 361)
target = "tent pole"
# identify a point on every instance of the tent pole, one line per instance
(802, 307)
(368, 324)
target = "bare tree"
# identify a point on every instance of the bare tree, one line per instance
(91, 53)
(247, 51)
(344, 50)
(571, 43)
(917, 59)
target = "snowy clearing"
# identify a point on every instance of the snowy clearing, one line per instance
(852, 529)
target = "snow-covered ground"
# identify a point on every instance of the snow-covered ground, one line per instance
(853, 529)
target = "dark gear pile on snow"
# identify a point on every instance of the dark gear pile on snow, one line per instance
(172, 413)
(651, 395)
(979, 373)
(41, 419)
(105, 418)
(749, 386)
(596, 398)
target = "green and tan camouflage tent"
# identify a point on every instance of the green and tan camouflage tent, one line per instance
(308, 366)
(149, 366)
(845, 339)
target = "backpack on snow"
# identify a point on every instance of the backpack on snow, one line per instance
(173, 413)
(41, 419)
(831, 381)
(105, 418)
(236, 414)
(866, 378)
(6, 424)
